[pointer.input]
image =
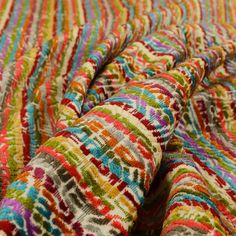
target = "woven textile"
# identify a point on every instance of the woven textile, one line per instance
(118, 117)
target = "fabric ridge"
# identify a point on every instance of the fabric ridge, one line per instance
(118, 117)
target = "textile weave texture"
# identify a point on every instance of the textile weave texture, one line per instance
(118, 117)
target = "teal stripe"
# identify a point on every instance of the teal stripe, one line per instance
(59, 17)
(107, 161)
(6, 213)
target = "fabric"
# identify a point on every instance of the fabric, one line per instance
(118, 117)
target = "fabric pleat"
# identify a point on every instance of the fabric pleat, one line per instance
(118, 117)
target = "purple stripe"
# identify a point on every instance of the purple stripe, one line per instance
(15, 21)
(227, 174)
(157, 115)
(216, 164)
(144, 105)
(161, 45)
(222, 144)
(84, 44)
(18, 208)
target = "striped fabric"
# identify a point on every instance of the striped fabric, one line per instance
(118, 117)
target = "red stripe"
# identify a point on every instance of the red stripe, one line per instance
(24, 115)
(8, 18)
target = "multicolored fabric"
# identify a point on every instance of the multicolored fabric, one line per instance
(118, 117)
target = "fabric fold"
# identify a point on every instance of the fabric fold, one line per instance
(117, 118)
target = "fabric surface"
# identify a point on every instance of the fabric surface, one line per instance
(118, 117)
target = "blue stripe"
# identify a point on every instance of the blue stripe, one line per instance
(204, 158)
(59, 17)
(98, 153)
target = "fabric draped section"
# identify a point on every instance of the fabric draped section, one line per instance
(118, 117)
